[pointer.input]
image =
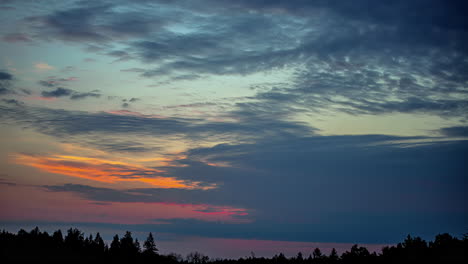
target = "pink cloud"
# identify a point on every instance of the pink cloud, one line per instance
(41, 205)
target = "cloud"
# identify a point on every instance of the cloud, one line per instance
(16, 37)
(95, 22)
(104, 170)
(357, 63)
(456, 131)
(12, 102)
(78, 96)
(5, 182)
(59, 92)
(133, 70)
(126, 102)
(63, 92)
(124, 146)
(342, 59)
(48, 83)
(53, 81)
(158, 195)
(5, 83)
(361, 57)
(43, 66)
(73, 24)
(5, 76)
(374, 182)
(63, 123)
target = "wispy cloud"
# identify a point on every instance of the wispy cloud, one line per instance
(16, 37)
(42, 66)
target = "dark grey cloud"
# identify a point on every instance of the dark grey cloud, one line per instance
(359, 57)
(127, 102)
(54, 81)
(118, 53)
(102, 22)
(78, 95)
(5, 83)
(58, 92)
(456, 131)
(75, 24)
(47, 83)
(194, 105)
(133, 70)
(12, 102)
(374, 62)
(375, 182)
(65, 123)
(432, 13)
(366, 174)
(5, 76)
(111, 145)
(369, 231)
(65, 92)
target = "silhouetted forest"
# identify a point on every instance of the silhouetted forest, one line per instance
(74, 247)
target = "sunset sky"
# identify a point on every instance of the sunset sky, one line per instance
(231, 127)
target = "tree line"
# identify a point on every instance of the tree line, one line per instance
(75, 247)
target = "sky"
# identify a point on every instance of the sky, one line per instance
(232, 127)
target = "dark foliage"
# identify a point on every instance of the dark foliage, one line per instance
(35, 246)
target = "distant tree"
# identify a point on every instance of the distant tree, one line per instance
(39, 247)
(176, 257)
(333, 257)
(74, 240)
(197, 258)
(299, 257)
(415, 243)
(149, 245)
(317, 253)
(356, 255)
(137, 245)
(115, 246)
(35, 232)
(57, 237)
(22, 233)
(414, 248)
(280, 258)
(89, 242)
(128, 247)
(99, 243)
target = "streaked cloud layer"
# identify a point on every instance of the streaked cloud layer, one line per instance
(314, 121)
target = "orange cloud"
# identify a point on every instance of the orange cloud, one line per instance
(104, 170)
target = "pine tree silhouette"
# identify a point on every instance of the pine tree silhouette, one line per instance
(149, 245)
